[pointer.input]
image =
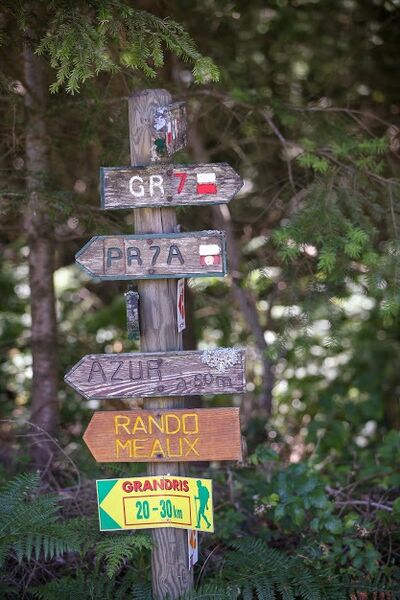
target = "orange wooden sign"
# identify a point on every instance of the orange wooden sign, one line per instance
(164, 435)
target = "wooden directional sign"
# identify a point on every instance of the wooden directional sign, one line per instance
(155, 255)
(155, 501)
(165, 435)
(137, 375)
(168, 185)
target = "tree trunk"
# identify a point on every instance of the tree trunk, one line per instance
(38, 228)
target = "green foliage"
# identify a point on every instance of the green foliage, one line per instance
(85, 41)
(252, 569)
(28, 522)
(317, 226)
(117, 549)
(90, 587)
(312, 161)
(329, 528)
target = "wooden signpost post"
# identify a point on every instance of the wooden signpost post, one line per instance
(168, 185)
(152, 256)
(165, 434)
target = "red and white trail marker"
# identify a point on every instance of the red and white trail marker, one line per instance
(210, 254)
(206, 183)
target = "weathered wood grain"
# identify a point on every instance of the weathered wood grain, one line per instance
(165, 435)
(141, 375)
(155, 256)
(167, 185)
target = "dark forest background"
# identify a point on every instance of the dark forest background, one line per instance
(301, 97)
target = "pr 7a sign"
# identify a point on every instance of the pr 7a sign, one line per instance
(155, 256)
(168, 185)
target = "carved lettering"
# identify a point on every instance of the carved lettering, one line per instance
(153, 435)
(157, 449)
(96, 368)
(121, 421)
(113, 253)
(139, 191)
(168, 427)
(198, 380)
(182, 178)
(181, 384)
(157, 250)
(170, 453)
(154, 365)
(223, 381)
(139, 426)
(159, 425)
(191, 446)
(137, 447)
(113, 376)
(156, 181)
(133, 253)
(140, 375)
(123, 446)
(194, 428)
(174, 252)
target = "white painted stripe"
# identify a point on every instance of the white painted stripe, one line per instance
(205, 177)
(209, 249)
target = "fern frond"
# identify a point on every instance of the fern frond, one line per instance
(33, 529)
(119, 548)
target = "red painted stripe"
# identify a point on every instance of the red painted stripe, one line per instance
(206, 188)
(216, 260)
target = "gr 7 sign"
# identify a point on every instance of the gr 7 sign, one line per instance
(168, 185)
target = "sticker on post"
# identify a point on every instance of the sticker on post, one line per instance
(159, 501)
(180, 305)
(193, 547)
(132, 314)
